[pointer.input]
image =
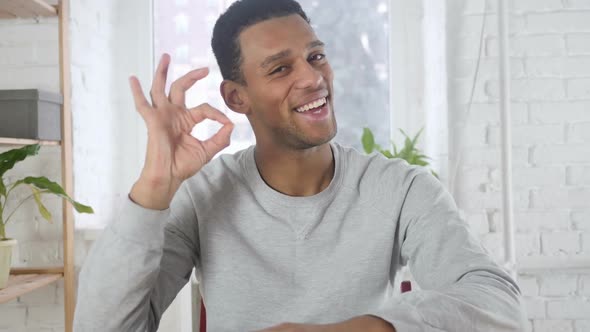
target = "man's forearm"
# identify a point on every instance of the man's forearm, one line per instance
(362, 323)
(153, 194)
(120, 272)
(365, 323)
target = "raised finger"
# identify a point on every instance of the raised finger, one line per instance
(158, 91)
(206, 111)
(141, 103)
(181, 85)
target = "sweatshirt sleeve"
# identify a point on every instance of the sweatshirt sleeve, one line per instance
(462, 288)
(137, 266)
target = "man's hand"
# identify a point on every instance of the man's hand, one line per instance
(173, 155)
(291, 327)
(361, 323)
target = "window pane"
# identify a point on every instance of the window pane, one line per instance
(356, 34)
(357, 43)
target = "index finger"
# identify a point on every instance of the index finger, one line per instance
(206, 111)
(181, 85)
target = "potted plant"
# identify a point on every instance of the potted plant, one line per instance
(409, 152)
(39, 186)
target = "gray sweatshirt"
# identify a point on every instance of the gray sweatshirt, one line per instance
(263, 258)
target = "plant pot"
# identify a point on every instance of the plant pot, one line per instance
(5, 258)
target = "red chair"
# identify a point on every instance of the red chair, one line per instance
(203, 319)
(406, 286)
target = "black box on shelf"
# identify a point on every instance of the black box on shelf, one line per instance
(31, 114)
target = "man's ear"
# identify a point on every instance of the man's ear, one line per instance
(235, 97)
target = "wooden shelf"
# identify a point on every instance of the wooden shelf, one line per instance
(21, 141)
(22, 284)
(26, 9)
(37, 270)
(24, 281)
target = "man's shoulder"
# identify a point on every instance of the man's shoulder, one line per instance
(374, 175)
(375, 164)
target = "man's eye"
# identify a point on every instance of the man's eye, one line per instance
(279, 70)
(317, 57)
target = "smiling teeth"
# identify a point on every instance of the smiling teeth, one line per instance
(315, 104)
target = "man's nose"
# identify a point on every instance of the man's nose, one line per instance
(308, 77)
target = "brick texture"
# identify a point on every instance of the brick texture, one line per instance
(550, 86)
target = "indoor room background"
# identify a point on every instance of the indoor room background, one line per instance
(485, 102)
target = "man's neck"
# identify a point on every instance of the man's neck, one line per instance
(296, 172)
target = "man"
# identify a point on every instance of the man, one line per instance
(295, 233)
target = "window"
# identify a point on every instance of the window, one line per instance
(357, 39)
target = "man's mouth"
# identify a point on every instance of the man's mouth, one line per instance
(313, 107)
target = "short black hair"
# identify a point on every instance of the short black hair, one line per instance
(239, 16)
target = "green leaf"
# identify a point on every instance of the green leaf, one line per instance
(407, 142)
(54, 188)
(404, 154)
(395, 152)
(408, 152)
(417, 136)
(2, 187)
(9, 158)
(42, 209)
(81, 208)
(387, 154)
(403, 132)
(368, 140)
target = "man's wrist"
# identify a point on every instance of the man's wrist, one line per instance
(152, 194)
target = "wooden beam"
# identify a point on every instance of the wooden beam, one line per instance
(41, 8)
(28, 270)
(26, 9)
(19, 285)
(4, 14)
(67, 161)
(16, 8)
(23, 141)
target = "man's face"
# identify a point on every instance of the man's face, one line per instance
(289, 83)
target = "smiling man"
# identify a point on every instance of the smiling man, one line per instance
(296, 233)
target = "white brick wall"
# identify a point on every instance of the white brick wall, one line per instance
(578, 88)
(557, 22)
(550, 60)
(521, 46)
(553, 326)
(556, 301)
(578, 44)
(559, 285)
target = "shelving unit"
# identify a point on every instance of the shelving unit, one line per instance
(26, 9)
(21, 284)
(23, 281)
(22, 141)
